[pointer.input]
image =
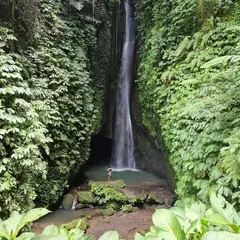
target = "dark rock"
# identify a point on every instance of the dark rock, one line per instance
(168, 201)
(68, 201)
(128, 208)
(79, 206)
(113, 204)
(154, 206)
(161, 207)
(108, 212)
(155, 198)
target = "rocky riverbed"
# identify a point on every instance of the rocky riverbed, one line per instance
(115, 205)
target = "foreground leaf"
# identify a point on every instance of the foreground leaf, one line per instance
(30, 216)
(47, 237)
(167, 222)
(138, 236)
(220, 236)
(111, 235)
(51, 230)
(26, 236)
(3, 230)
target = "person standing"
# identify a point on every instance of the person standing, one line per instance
(109, 173)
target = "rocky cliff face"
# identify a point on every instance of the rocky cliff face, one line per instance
(150, 153)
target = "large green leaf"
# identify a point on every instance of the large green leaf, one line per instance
(30, 216)
(167, 222)
(48, 237)
(220, 236)
(75, 234)
(229, 213)
(218, 219)
(179, 212)
(138, 236)
(150, 237)
(217, 61)
(87, 237)
(51, 230)
(3, 230)
(26, 236)
(111, 235)
(11, 224)
(63, 231)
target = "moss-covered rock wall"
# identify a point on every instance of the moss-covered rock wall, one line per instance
(189, 90)
(54, 62)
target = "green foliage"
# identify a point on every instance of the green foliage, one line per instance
(112, 196)
(196, 222)
(128, 208)
(107, 193)
(48, 93)
(189, 89)
(81, 224)
(57, 70)
(10, 228)
(86, 197)
(110, 235)
(108, 212)
(22, 134)
(54, 233)
(220, 236)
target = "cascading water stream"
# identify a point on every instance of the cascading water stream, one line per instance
(123, 156)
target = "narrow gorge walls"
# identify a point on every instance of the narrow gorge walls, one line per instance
(53, 69)
(150, 153)
(189, 89)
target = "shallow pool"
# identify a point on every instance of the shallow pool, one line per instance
(99, 173)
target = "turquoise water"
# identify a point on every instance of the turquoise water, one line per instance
(61, 216)
(129, 176)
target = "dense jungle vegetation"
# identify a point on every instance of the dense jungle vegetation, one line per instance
(54, 59)
(53, 68)
(189, 81)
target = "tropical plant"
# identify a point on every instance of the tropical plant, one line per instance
(22, 134)
(54, 233)
(189, 91)
(51, 100)
(10, 228)
(221, 221)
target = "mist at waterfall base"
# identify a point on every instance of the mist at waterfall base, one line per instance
(123, 146)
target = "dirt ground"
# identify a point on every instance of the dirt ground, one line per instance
(125, 224)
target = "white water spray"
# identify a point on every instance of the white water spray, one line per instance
(123, 149)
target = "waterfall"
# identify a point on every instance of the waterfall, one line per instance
(123, 148)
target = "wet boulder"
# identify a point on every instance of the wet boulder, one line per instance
(86, 197)
(128, 208)
(108, 212)
(68, 201)
(81, 223)
(154, 198)
(79, 206)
